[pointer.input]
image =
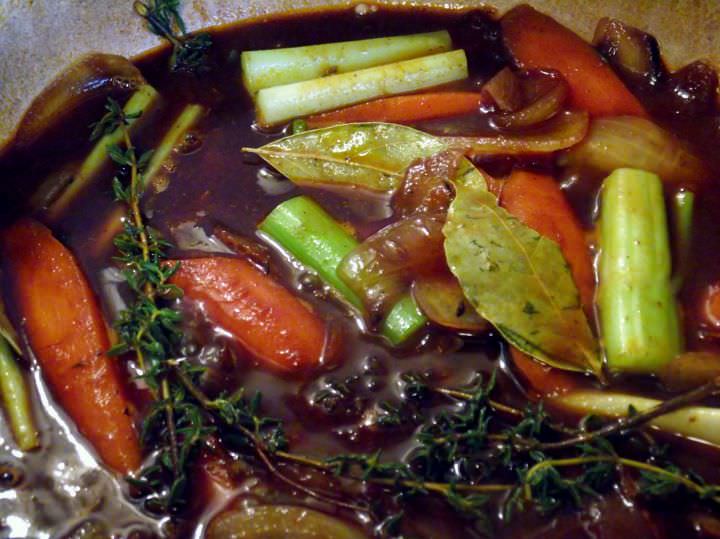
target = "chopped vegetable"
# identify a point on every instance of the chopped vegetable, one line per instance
(427, 186)
(628, 142)
(551, 96)
(185, 121)
(372, 155)
(518, 280)
(279, 522)
(282, 103)
(690, 370)
(313, 237)
(441, 299)
(683, 209)
(277, 67)
(138, 104)
(628, 49)
(16, 400)
(68, 336)
(378, 270)
(403, 321)
(544, 381)
(710, 305)
(505, 89)
(270, 322)
(7, 331)
(638, 313)
(403, 109)
(559, 133)
(695, 422)
(537, 41)
(538, 202)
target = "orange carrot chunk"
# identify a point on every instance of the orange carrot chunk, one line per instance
(538, 202)
(271, 323)
(544, 381)
(537, 41)
(68, 336)
(403, 109)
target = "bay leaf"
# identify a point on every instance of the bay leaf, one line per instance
(373, 156)
(518, 280)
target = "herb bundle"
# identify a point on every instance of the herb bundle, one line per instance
(189, 52)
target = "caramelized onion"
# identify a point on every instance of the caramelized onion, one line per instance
(629, 50)
(93, 76)
(280, 522)
(551, 95)
(380, 269)
(426, 186)
(505, 89)
(632, 142)
(690, 370)
(559, 133)
(441, 299)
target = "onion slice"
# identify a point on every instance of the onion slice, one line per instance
(559, 133)
(441, 299)
(544, 107)
(632, 142)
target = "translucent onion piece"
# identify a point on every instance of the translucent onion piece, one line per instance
(561, 132)
(628, 49)
(544, 107)
(441, 299)
(689, 370)
(632, 142)
(506, 90)
(93, 76)
(380, 269)
(280, 522)
(426, 187)
(190, 236)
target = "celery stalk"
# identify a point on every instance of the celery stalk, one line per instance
(638, 311)
(698, 422)
(185, 121)
(142, 100)
(281, 103)
(275, 67)
(683, 208)
(403, 320)
(307, 232)
(16, 400)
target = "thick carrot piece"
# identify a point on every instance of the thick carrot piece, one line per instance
(403, 109)
(68, 336)
(538, 201)
(270, 322)
(537, 41)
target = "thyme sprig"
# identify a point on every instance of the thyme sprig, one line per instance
(190, 52)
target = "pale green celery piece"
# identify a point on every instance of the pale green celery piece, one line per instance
(141, 101)
(683, 210)
(698, 422)
(276, 67)
(638, 311)
(182, 124)
(185, 121)
(403, 321)
(308, 233)
(282, 103)
(16, 400)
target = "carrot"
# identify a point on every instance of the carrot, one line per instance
(537, 41)
(538, 201)
(403, 109)
(544, 381)
(270, 322)
(68, 336)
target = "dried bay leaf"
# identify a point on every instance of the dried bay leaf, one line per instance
(373, 156)
(518, 280)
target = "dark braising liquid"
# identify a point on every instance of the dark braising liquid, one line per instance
(212, 184)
